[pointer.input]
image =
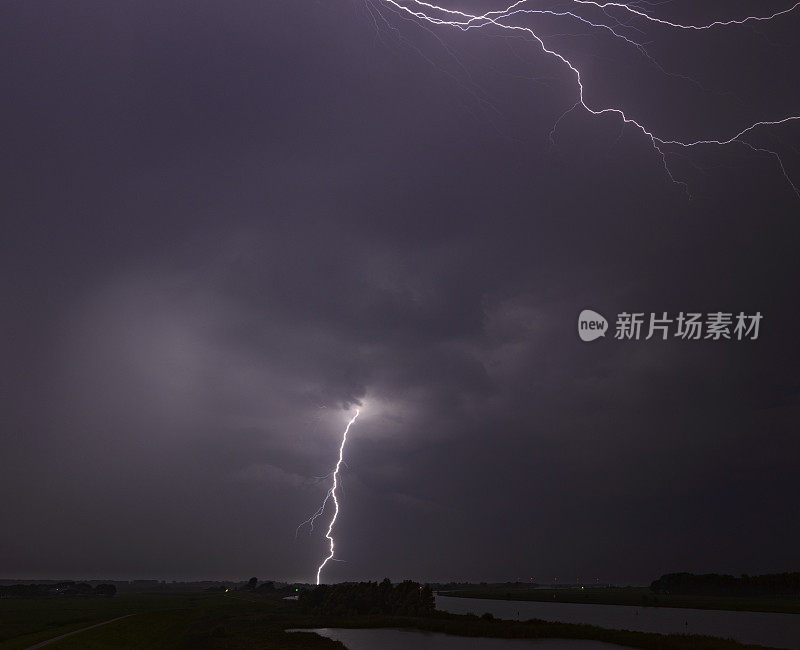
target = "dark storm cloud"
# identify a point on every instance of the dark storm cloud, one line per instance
(228, 223)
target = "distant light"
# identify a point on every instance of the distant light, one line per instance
(297, 589)
(226, 591)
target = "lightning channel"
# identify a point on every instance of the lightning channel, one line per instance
(425, 12)
(717, 23)
(331, 495)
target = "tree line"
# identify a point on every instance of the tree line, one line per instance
(67, 588)
(407, 598)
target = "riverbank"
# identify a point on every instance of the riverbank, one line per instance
(474, 626)
(633, 596)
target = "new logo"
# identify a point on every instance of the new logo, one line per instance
(591, 325)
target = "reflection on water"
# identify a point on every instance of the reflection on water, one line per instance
(387, 639)
(776, 630)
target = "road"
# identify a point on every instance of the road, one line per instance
(83, 629)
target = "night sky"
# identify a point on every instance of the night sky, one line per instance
(228, 224)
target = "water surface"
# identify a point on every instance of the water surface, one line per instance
(389, 639)
(776, 630)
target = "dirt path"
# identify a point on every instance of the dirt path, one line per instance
(83, 629)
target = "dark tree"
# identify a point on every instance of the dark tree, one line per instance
(405, 599)
(105, 590)
(266, 587)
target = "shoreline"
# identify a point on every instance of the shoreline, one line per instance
(633, 597)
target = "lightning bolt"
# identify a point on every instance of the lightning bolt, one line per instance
(310, 521)
(331, 495)
(717, 23)
(424, 12)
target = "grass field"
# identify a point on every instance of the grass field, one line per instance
(159, 621)
(637, 596)
(200, 621)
